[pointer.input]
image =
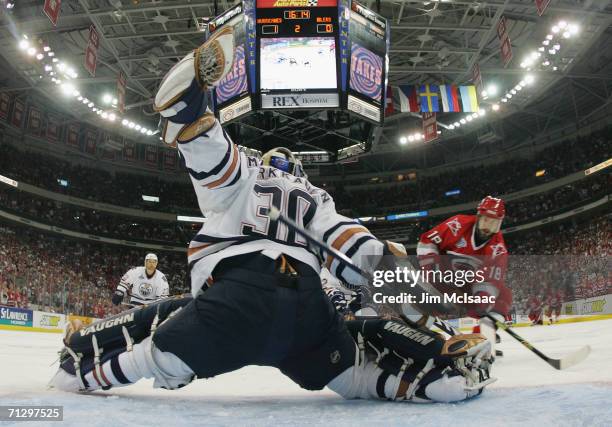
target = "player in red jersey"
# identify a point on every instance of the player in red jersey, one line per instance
(535, 309)
(473, 242)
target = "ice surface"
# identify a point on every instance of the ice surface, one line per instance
(528, 392)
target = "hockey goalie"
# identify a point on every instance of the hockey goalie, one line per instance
(257, 296)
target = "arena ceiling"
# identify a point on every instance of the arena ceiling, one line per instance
(432, 42)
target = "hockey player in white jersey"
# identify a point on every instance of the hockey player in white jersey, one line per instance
(143, 284)
(257, 295)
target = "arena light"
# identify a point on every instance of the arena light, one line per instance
(149, 132)
(529, 79)
(545, 43)
(67, 88)
(573, 29)
(513, 91)
(143, 130)
(46, 49)
(456, 124)
(557, 46)
(107, 98)
(566, 34)
(112, 117)
(131, 125)
(90, 105)
(24, 45)
(555, 29)
(410, 138)
(504, 100)
(492, 89)
(469, 118)
(451, 127)
(495, 107)
(518, 87)
(546, 63)
(541, 49)
(124, 122)
(462, 121)
(474, 115)
(562, 24)
(482, 112)
(549, 36)
(61, 66)
(39, 56)
(31, 51)
(186, 218)
(403, 140)
(555, 68)
(137, 127)
(104, 115)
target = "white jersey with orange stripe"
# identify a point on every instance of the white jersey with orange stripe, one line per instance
(142, 288)
(235, 193)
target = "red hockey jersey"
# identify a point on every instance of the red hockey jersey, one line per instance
(456, 239)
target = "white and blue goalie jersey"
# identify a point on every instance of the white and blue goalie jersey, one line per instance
(235, 193)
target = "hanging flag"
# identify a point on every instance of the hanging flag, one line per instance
(5, 105)
(408, 99)
(450, 99)
(52, 10)
(430, 126)
(389, 107)
(121, 84)
(505, 47)
(429, 98)
(91, 52)
(477, 77)
(469, 100)
(541, 6)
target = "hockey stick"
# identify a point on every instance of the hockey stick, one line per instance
(276, 215)
(563, 363)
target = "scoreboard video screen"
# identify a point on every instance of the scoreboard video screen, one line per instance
(297, 55)
(304, 54)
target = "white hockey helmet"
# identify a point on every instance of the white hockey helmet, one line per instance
(151, 256)
(283, 159)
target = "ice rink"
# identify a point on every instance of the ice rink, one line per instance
(528, 391)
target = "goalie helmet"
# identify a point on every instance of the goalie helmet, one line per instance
(283, 159)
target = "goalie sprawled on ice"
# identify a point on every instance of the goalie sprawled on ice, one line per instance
(257, 294)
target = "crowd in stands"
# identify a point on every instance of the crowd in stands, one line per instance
(99, 223)
(426, 192)
(512, 175)
(52, 273)
(119, 188)
(571, 261)
(520, 211)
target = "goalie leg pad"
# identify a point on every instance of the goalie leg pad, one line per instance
(119, 351)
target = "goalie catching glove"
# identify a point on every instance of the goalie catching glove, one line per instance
(182, 98)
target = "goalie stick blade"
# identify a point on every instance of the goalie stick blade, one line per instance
(572, 359)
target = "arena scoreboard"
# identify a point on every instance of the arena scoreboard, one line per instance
(304, 54)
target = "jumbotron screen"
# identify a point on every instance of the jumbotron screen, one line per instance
(298, 63)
